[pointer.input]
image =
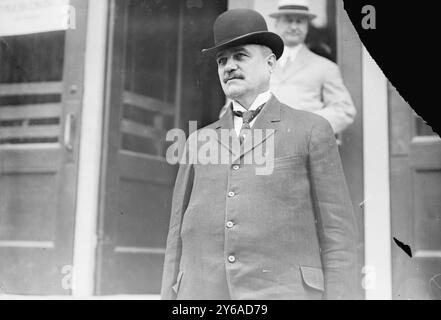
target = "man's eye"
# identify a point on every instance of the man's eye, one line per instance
(221, 61)
(240, 55)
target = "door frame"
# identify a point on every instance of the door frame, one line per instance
(378, 269)
(91, 145)
(349, 59)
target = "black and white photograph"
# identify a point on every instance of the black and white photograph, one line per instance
(210, 150)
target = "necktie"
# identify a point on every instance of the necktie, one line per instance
(247, 117)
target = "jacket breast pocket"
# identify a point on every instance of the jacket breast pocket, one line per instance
(292, 161)
(178, 282)
(313, 277)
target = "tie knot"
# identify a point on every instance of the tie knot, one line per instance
(248, 115)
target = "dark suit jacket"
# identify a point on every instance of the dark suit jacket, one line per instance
(294, 231)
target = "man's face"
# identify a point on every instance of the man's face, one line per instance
(292, 29)
(244, 71)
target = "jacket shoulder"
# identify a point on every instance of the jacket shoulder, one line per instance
(302, 118)
(212, 125)
(321, 61)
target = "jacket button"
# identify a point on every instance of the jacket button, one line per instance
(230, 224)
(231, 194)
(235, 167)
(231, 259)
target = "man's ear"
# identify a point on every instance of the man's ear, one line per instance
(271, 61)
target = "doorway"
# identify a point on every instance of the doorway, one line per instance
(41, 86)
(157, 80)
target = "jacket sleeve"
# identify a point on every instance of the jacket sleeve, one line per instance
(336, 223)
(181, 197)
(338, 107)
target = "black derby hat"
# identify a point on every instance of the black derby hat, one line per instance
(240, 27)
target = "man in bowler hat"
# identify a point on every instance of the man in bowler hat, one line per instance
(235, 234)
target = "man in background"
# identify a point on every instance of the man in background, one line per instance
(304, 80)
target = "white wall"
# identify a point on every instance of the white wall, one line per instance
(377, 225)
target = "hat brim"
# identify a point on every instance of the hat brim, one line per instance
(265, 38)
(292, 11)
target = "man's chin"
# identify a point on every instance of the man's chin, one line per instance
(232, 92)
(293, 42)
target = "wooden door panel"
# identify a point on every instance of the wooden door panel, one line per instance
(138, 272)
(145, 168)
(427, 218)
(142, 219)
(23, 160)
(425, 161)
(40, 99)
(425, 153)
(29, 268)
(26, 213)
(415, 166)
(31, 159)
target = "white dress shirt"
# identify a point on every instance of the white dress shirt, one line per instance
(260, 99)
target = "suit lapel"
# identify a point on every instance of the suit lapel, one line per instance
(267, 119)
(226, 135)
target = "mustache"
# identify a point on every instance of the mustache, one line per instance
(230, 76)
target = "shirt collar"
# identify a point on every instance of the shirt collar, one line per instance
(260, 99)
(291, 52)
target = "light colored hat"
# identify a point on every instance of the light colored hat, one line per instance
(299, 7)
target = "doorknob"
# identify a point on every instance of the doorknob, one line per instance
(68, 131)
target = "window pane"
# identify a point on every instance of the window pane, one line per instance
(31, 74)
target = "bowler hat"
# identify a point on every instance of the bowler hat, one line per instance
(237, 27)
(297, 7)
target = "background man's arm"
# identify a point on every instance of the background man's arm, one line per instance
(337, 229)
(338, 107)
